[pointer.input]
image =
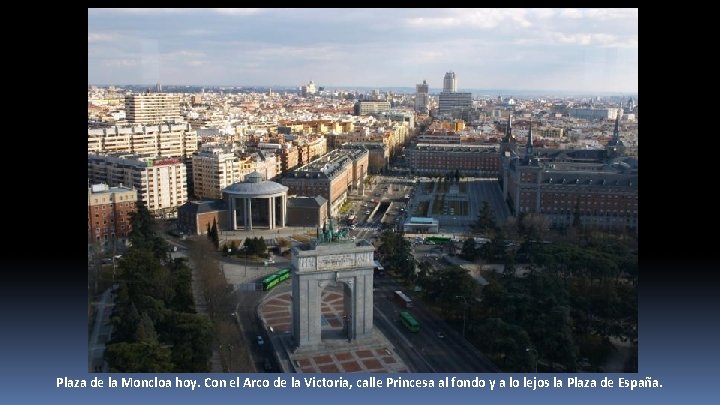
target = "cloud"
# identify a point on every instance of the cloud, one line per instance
(370, 47)
(140, 11)
(598, 39)
(121, 62)
(477, 18)
(236, 11)
(94, 37)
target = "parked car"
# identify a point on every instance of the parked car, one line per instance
(260, 341)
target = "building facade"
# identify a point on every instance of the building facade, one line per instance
(378, 154)
(371, 107)
(152, 108)
(590, 113)
(161, 183)
(307, 211)
(166, 140)
(478, 160)
(451, 102)
(450, 82)
(422, 97)
(109, 210)
(583, 188)
(332, 176)
(215, 167)
(196, 217)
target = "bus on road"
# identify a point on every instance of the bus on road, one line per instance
(409, 322)
(276, 278)
(402, 299)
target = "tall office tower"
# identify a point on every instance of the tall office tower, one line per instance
(450, 83)
(422, 97)
(450, 101)
(152, 108)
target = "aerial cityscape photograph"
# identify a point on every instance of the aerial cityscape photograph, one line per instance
(362, 190)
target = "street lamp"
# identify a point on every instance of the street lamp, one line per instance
(464, 311)
(245, 249)
(532, 350)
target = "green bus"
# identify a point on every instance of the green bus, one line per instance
(438, 240)
(409, 322)
(276, 278)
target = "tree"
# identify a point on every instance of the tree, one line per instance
(143, 233)
(469, 250)
(495, 249)
(213, 234)
(506, 344)
(153, 290)
(145, 331)
(445, 286)
(138, 357)
(396, 254)
(486, 218)
(256, 246)
(457, 175)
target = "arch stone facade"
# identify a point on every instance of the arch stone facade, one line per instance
(313, 268)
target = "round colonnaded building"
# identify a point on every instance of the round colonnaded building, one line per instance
(256, 203)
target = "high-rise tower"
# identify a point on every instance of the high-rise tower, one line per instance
(450, 83)
(450, 101)
(422, 97)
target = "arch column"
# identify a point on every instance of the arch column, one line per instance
(233, 213)
(249, 200)
(283, 207)
(245, 216)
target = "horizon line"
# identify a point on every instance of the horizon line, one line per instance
(340, 87)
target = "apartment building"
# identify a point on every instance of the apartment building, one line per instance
(152, 108)
(109, 210)
(215, 167)
(165, 140)
(331, 176)
(161, 183)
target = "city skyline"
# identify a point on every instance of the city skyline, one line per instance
(586, 50)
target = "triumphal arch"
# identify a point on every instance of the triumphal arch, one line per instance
(339, 268)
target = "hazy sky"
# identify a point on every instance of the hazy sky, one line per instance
(522, 49)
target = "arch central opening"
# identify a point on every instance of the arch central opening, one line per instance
(335, 300)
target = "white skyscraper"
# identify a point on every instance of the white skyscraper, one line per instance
(450, 100)
(450, 83)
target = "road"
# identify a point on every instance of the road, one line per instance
(102, 329)
(244, 274)
(425, 351)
